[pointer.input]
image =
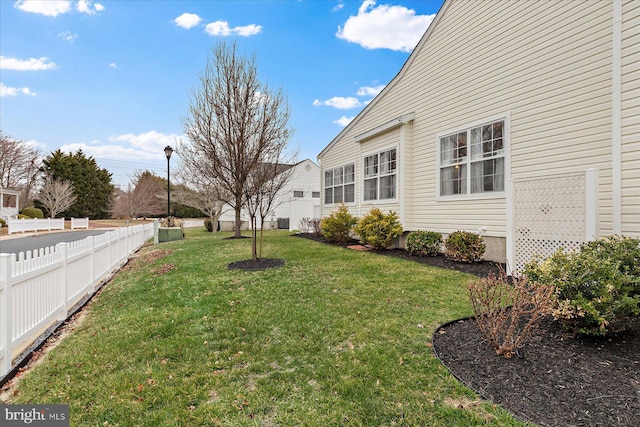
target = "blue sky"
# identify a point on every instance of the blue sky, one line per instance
(113, 78)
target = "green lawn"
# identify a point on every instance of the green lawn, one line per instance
(336, 337)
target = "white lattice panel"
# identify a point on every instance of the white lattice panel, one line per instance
(550, 213)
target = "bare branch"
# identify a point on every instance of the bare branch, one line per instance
(234, 124)
(56, 196)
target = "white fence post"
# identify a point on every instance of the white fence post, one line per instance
(6, 313)
(62, 248)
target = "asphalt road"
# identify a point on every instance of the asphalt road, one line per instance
(31, 243)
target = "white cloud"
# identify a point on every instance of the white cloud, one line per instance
(54, 8)
(187, 20)
(370, 91)
(67, 35)
(339, 102)
(150, 143)
(44, 7)
(113, 65)
(30, 64)
(87, 6)
(145, 146)
(13, 91)
(343, 121)
(338, 7)
(221, 28)
(385, 27)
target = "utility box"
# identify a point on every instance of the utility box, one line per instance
(168, 234)
(283, 223)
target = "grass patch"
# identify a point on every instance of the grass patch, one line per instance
(334, 338)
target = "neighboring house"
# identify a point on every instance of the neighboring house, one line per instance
(9, 203)
(298, 199)
(516, 120)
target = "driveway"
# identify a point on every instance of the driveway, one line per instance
(31, 242)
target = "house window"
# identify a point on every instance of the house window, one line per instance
(380, 176)
(315, 194)
(472, 160)
(339, 185)
(297, 193)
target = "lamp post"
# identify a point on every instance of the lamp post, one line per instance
(168, 151)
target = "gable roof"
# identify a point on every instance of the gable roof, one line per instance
(416, 51)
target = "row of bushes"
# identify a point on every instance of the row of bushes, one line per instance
(378, 230)
(460, 246)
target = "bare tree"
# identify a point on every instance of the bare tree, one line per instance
(144, 198)
(19, 166)
(56, 196)
(233, 120)
(263, 193)
(201, 194)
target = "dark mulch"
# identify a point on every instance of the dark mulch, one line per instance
(556, 379)
(256, 264)
(481, 268)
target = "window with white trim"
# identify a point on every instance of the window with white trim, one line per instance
(298, 193)
(472, 160)
(380, 176)
(339, 185)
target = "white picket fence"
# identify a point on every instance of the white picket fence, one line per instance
(37, 289)
(34, 224)
(79, 223)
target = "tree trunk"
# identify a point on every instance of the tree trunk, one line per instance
(238, 220)
(254, 238)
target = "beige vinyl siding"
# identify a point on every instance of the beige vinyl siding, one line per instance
(552, 75)
(547, 67)
(630, 170)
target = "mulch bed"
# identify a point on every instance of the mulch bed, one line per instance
(556, 379)
(256, 264)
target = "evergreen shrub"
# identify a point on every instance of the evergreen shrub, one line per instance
(377, 229)
(464, 246)
(33, 212)
(424, 243)
(338, 226)
(597, 288)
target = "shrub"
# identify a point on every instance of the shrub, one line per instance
(208, 225)
(33, 212)
(3, 223)
(377, 229)
(464, 246)
(508, 312)
(424, 243)
(22, 216)
(304, 225)
(310, 225)
(337, 227)
(598, 287)
(316, 229)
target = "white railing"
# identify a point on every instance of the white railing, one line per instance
(34, 224)
(37, 289)
(79, 223)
